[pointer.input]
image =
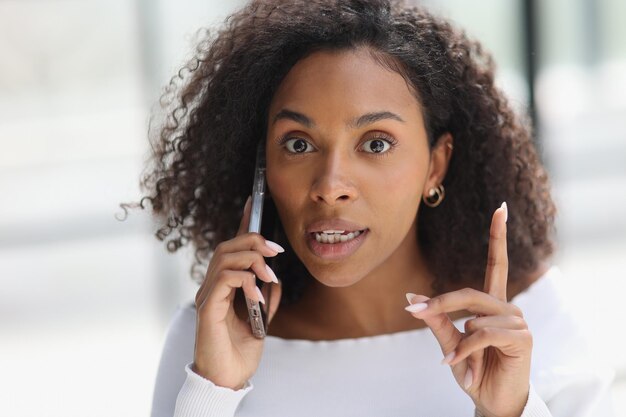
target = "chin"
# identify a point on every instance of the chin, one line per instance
(334, 277)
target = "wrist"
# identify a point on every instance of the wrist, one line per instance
(216, 381)
(516, 411)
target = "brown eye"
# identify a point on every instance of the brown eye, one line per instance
(296, 145)
(376, 146)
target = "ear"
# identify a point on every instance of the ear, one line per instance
(439, 161)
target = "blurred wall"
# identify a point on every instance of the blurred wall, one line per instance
(85, 299)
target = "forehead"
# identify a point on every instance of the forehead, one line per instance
(352, 80)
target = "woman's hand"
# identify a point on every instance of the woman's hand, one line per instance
(226, 351)
(491, 360)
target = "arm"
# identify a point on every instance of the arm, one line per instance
(564, 387)
(578, 393)
(178, 390)
(220, 344)
(201, 397)
(587, 395)
(535, 407)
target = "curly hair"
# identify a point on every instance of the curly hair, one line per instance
(216, 107)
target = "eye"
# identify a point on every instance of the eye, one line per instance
(296, 145)
(378, 145)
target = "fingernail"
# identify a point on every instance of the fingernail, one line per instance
(272, 274)
(261, 298)
(416, 308)
(506, 211)
(468, 378)
(448, 358)
(274, 246)
(409, 297)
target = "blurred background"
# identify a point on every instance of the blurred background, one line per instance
(85, 300)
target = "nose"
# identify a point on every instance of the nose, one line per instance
(332, 184)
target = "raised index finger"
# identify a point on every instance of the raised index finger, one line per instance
(497, 260)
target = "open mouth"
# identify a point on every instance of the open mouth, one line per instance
(336, 236)
(336, 244)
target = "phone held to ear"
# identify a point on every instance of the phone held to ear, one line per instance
(258, 313)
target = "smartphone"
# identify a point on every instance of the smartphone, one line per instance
(258, 312)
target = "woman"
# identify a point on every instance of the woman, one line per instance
(396, 171)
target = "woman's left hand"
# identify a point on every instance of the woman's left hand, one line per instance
(491, 360)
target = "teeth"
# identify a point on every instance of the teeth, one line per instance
(336, 236)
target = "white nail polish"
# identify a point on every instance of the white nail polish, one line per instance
(409, 297)
(274, 246)
(448, 358)
(506, 211)
(416, 308)
(261, 298)
(272, 274)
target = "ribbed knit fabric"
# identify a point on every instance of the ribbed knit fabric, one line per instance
(535, 407)
(199, 394)
(395, 375)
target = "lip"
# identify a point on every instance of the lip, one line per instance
(333, 224)
(335, 251)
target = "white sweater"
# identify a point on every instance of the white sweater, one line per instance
(393, 375)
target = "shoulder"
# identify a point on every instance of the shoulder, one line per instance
(555, 322)
(183, 320)
(180, 337)
(177, 352)
(563, 359)
(181, 329)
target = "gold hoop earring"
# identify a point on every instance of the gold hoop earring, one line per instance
(435, 196)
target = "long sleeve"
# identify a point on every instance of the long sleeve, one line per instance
(568, 378)
(535, 407)
(578, 393)
(177, 352)
(294, 374)
(589, 397)
(178, 390)
(200, 397)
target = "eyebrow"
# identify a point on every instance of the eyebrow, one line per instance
(367, 118)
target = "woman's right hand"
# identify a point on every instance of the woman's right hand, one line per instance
(226, 351)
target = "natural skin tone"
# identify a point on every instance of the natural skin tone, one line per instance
(321, 164)
(338, 175)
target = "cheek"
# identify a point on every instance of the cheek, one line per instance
(398, 203)
(403, 180)
(284, 191)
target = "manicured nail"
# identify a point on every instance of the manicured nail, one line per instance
(416, 308)
(272, 274)
(448, 358)
(261, 298)
(468, 378)
(506, 211)
(274, 246)
(409, 297)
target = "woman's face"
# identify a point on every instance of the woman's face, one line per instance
(346, 141)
